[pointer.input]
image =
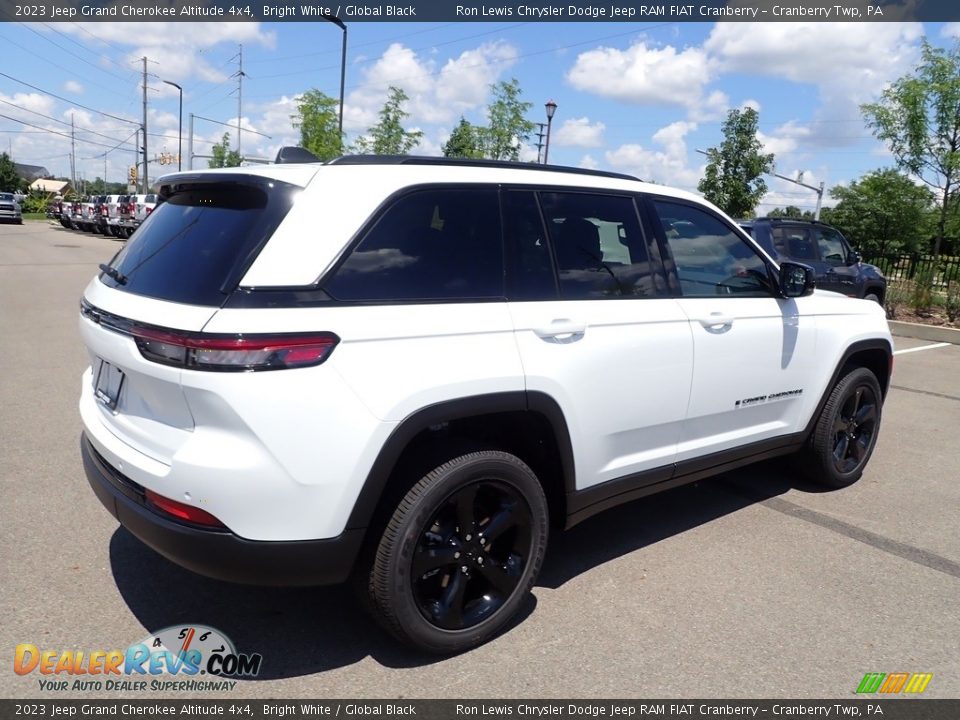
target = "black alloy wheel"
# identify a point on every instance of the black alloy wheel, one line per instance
(846, 431)
(854, 429)
(471, 555)
(460, 553)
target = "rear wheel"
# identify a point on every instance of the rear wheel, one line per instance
(460, 553)
(846, 431)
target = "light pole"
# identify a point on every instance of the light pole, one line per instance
(180, 130)
(551, 109)
(343, 69)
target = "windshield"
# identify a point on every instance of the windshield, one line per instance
(8, 197)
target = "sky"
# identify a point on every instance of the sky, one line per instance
(640, 98)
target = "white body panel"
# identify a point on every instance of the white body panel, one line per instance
(283, 455)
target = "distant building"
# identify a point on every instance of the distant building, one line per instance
(31, 172)
(57, 187)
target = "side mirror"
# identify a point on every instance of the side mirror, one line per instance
(854, 257)
(796, 280)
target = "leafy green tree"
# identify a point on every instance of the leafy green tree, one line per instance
(465, 141)
(918, 117)
(791, 211)
(732, 180)
(508, 127)
(223, 156)
(319, 124)
(883, 211)
(9, 179)
(388, 136)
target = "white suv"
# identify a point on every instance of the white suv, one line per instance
(411, 368)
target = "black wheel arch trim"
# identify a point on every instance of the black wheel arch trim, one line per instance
(451, 410)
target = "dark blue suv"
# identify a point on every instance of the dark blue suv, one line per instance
(836, 265)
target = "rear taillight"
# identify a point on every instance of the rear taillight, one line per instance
(148, 210)
(182, 511)
(202, 351)
(132, 208)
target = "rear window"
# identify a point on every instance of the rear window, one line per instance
(196, 245)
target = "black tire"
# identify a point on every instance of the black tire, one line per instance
(435, 584)
(873, 297)
(846, 432)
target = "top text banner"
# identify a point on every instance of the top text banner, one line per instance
(479, 11)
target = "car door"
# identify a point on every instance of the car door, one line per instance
(836, 274)
(753, 350)
(597, 330)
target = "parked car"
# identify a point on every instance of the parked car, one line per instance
(100, 214)
(836, 266)
(112, 205)
(10, 209)
(126, 214)
(145, 206)
(468, 354)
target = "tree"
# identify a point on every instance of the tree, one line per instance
(918, 117)
(9, 179)
(465, 141)
(223, 156)
(508, 127)
(883, 211)
(319, 124)
(732, 180)
(791, 211)
(388, 136)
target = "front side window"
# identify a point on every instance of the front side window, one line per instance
(599, 246)
(434, 244)
(709, 258)
(831, 246)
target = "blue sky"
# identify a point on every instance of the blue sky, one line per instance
(638, 98)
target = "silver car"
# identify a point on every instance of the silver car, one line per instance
(10, 209)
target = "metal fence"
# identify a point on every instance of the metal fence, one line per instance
(910, 266)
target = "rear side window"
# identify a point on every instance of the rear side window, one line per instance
(195, 246)
(435, 244)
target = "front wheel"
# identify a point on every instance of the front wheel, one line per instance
(846, 431)
(873, 297)
(460, 553)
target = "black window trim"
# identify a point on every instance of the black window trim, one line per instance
(674, 290)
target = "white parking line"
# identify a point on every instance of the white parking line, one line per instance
(922, 347)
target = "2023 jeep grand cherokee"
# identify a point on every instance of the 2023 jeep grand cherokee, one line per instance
(412, 368)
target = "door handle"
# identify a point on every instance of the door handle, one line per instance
(561, 329)
(716, 320)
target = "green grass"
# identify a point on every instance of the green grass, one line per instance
(34, 216)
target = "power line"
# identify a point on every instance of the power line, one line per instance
(48, 117)
(70, 102)
(53, 132)
(73, 54)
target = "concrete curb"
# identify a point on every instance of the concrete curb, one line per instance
(933, 333)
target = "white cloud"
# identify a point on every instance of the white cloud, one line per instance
(951, 30)
(644, 74)
(72, 86)
(667, 165)
(781, 193)
(848, 63)
(579, 132)
(588, 162)
(437, 93)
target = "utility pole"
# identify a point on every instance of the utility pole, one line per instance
(239, 75)
(146, 182)
(73, 155)
(541, 134)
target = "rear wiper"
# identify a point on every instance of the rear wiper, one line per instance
(112, 272)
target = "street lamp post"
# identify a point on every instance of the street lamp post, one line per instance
(180, 127)
(551, 109)
(343, 69)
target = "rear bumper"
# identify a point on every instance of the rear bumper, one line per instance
(220, 554)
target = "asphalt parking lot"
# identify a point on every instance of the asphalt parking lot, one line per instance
(742, 586)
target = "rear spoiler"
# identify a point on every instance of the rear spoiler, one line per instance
(295, 154)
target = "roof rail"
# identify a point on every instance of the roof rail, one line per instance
(466, 162)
